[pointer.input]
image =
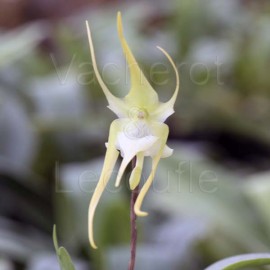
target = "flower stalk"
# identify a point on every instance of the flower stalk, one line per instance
(133, 225)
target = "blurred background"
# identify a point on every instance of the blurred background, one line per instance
(209, 200)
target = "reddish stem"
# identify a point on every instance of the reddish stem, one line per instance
(133, 241)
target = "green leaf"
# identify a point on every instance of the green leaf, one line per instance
(55, 241)
(240, 261)
(62, 254)
(65, 260)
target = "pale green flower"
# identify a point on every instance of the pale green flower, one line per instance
(139, 131)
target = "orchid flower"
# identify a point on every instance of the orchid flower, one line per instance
(139, 130)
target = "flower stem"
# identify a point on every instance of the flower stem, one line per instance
(133, 240)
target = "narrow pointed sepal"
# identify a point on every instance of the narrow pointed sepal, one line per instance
(116, 104)
(141, 92)
(109, 163)
(166, 109)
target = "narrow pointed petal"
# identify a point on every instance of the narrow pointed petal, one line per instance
(136, 174)
(109, 163)
(121, 171)
(141, 93)
(162, 131)
(145, 189)
(115, 104)
(166, 109)
(129, 148)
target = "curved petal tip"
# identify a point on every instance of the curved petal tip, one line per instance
(140, 213)
(93, 245)
(166, 109)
